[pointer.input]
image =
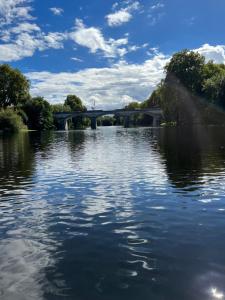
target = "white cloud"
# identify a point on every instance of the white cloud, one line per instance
(93, 39)
(25, 27)
(123, 15)
(155, 13)
(110, 87)
(215, 53)
(115, 5)
(14, 10)
(118, 18)
(157, 6)
(6, 35)
(136, 47)
(19, 27)
(153, 51)
(52, 40)
(77, 59)
(21, 37)
(27, 43)
(56, 11)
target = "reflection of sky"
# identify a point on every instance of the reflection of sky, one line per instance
(109, 168)
(27, 247)
(103, 179)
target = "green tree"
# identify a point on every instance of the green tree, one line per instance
(155, 98)
(211, 69)
(56, 108)
(132, 106)
(14, 87)
(106, 121)
(214, 90)
(187, 67)
(188, 89)
(75, 103)
(39, 114)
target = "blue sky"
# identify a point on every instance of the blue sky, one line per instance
(110, 52)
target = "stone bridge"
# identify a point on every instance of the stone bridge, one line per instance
(63, 117)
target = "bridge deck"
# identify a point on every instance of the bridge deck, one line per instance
(118, 112)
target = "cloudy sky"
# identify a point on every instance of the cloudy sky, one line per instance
(110, 52)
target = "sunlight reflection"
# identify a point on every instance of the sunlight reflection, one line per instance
(217, 294)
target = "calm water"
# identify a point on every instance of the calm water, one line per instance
(113, 214)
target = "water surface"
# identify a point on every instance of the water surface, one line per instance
(113, 214)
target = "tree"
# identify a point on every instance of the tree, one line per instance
(211, 69)
(106, 121)
(14, 87)
(75, 103)
(188, 89)
(214, 90)
(39, 114)
(132, 106)
(155, 98)
(56, 108)
(187, 67)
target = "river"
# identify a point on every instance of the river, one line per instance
(113, 214)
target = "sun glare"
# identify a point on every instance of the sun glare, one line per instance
(217, 294)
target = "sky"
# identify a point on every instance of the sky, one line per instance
(107, 52)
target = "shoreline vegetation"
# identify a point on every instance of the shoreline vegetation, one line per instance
(193, 92)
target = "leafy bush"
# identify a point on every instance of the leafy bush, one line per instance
(23, 115)
(10, 121)
(39, 114)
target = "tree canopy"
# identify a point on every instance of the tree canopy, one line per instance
(132, 106)
(57, 108)
(187, 67)
(39, 114)
(14, 87)
(75, 103)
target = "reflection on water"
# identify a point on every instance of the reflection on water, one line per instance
(192, 153)
(113, 214)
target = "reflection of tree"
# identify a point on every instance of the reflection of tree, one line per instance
(191, 152)
(42, 141)
(16, 159)
(17, 155)
(76, 141)
(214, 160)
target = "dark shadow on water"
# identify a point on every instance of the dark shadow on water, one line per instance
(16, 159)
(190, 153)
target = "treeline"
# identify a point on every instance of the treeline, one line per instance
(19, 110)
(193, 90)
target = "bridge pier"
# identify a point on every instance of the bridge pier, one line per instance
(63, 124)
(93, 123)
(156, 121)
(127, 121)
